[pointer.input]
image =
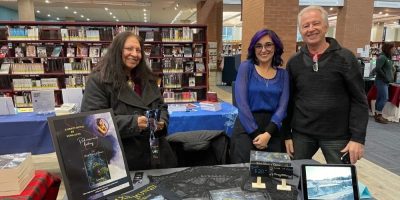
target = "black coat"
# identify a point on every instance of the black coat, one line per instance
(128, 106)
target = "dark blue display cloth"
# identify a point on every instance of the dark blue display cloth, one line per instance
(25, 132)
(29, 132)
(203, 120)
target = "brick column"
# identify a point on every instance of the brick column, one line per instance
(279, 16)
(26, 10)
(354, 23)
(210, 13)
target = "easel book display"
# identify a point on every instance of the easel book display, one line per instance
(58, 55)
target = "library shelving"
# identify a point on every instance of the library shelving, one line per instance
(58, 55)
(232, 47)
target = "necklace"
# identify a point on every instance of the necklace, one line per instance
(131, 83)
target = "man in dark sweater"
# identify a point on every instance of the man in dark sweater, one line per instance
(328, 107)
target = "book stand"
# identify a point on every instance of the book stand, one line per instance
(258, 184)
(283, 186)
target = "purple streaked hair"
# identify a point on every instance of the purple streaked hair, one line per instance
(277, 59)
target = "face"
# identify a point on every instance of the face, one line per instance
(313, 28)
(131, 54)
(264, 49)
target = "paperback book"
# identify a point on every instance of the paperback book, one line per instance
(90, 155)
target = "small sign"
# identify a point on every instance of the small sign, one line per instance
(43, 101)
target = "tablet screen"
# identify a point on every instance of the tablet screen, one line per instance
(329, 182)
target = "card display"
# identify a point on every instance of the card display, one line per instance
(90, 155)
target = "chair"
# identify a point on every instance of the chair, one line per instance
(200, 148)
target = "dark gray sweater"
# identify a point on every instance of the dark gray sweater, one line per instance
(330, 103)
(384, 69)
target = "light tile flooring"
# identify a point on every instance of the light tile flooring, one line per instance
(382, 183)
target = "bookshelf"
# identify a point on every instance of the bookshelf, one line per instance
(231, 48)
(58, 55)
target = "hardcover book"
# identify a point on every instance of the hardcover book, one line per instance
(90, 154)
(30, 51)
(56, 51)
(94, 51)
(41, 51)
(70, 52)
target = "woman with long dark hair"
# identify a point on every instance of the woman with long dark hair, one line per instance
(384, 76)
(123, 81)
(261, 94)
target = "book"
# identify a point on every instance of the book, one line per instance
(81, 51)
(210, 106)
(19, 52)
(147, 192)
(200, 67)
(192, 81)
(212, 96)
(3, 51)
(70, 52)
(103, 51)
(270, 164)
(41, 51)
(5, 68)
(56, 51)
(16, 171)
(94, 51)
(90, 155)
(30, 51)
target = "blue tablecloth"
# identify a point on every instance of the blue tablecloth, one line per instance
(25, 132)
(29, 132)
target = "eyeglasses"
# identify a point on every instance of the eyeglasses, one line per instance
(133, 49)
(267, 46)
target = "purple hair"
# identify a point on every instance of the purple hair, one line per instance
(277, 59)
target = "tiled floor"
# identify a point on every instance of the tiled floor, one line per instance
(382, 183)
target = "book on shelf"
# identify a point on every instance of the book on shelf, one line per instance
(19, 52)
(16, 171)
(5, 68)
(189, 66)
(192, 81)
(90, 155)
(94, 51)
(149, 37)
(64, 34)
(103, 51)
(200, 67)
(167, 51)
(3, 51)
(30, 51)
(81, 51)
(177, 51)
(42, 51)
(187, 51)
(56, 51)
(70, 52)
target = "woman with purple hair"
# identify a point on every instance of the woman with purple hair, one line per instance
(261, 94)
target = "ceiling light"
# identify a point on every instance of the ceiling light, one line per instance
(66, 7)
(58, 18)
(38, 11)
(380, 13)
(144, 9)
(110, 13)
(82, 16)
(114, 17)
(144, 14)
(87, 19)
(175, 8)
(48, 15)
(106, 9)
(117, 20)
(387, 14)
(75, 12)
(330, 8)
(47, 1)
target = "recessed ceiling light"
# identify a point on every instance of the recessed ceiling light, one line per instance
(144, 9)
(177, 5)
(117, 20)
(386, 14)
(106, 9)
(114, 17)
(87, 19)
(66, 7)
(175, 8)
(144, 14)
(110, 13)
(330, 8)
(38, 11)
(75, 12)
(48, 15)
(82, 16)
(47, 1)
(380, 13)
(58, 18)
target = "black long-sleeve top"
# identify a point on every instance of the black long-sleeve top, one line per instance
(330, 103)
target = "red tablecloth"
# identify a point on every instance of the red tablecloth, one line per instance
(43, 186)
(394, 94)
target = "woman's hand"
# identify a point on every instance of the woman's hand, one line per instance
(142, 122)
(289, 147)
(160, 125)
(261, 141)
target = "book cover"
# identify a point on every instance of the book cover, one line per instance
(192, 81)
(94, 51)
(81, 51)
(56, 51)
(30, 51)
(90, 154)
(147, 192)
(200, 67)
(103, 51)
(70, 52)
(3, 51)
(42, 52)
(19, 52)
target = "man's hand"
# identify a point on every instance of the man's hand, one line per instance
(160, 125)
(261, 141)
(289, 147)
(142, 122)
(356, 151)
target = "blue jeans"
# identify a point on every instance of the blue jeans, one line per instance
(382, 95)
(305, 147)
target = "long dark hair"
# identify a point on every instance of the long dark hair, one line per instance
(386, 47)
(277, 59)
(111, 66)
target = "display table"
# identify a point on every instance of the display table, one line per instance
(29, 132)
(43, 186)
(391, 111)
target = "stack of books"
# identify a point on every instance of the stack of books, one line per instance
(210, 106)
(16, 171)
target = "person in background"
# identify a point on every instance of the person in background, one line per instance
(261, 94)
(123, 82)
(384, 76)
(328, 107)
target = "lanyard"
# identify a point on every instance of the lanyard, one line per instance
(315, 60)
(152, 117)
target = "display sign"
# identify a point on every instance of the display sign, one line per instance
(43, 101)
(90, 155)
